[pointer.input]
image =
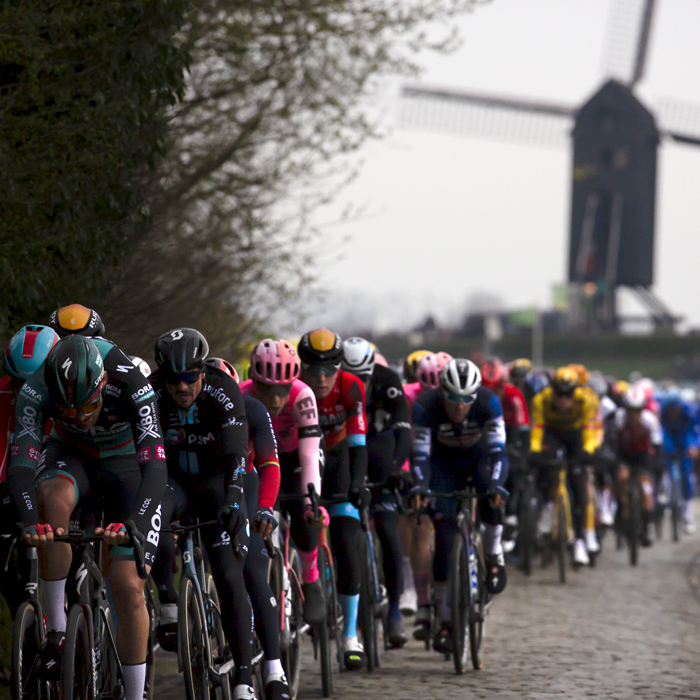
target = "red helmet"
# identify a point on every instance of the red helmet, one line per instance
(224, 366)
(493, 375)
(274, 362)
(429, 367)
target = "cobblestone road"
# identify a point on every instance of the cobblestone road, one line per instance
(610, 632)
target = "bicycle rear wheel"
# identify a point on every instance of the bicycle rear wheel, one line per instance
(321, 632)
(217, 641)
(634, 521)
(190, 642)
(367, 616)
(527, 522)
(26, 643)
(562, 536)
(478, 600)
(459, 593)
(79, 673)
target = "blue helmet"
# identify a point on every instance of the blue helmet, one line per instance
(27, 350)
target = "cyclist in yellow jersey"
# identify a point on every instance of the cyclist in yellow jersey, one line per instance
(564, 418)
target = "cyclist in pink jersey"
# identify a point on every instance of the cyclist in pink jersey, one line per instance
(274, 371)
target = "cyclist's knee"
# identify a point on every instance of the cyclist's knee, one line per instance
(56, 500)
(126, 587)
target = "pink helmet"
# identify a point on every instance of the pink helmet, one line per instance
(429, 369)
(274, 362)
(224, 366)
(380, 360)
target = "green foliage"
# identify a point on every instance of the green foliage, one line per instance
(83, 87)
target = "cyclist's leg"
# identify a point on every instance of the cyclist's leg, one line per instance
(573, 442)
(263, 600)
(61, 482)
(227, 570)
(688, 486)
(13, 580)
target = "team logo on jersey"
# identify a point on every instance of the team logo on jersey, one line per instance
(147, 424)
(143, 455)
(175, 436)
(160, 452)
(144, 393)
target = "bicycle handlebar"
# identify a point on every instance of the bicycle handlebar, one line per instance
(176, 528)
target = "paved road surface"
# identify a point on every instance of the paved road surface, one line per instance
(610, 632)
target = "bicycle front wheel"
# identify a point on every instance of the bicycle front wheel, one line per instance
(367, 612)
(190, 642)
(217, 641)
(26, 643)
(562, 534)
(527, 522)
(634, 523)
(478, 600)
(321, 632)
(459, 593)
(78, 671)
(106, 660)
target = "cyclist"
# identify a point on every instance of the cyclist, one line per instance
(416, 536)
(638, 441)
(680, 429)
(388, 448)
(517, 422)
(341, 405)
(565, 417)
(410, 365)
(106, 444)
(76, 319)
(459, 436)
(274, 370)
(206, 446)
(24, 354)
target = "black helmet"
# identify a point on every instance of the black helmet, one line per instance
(73, 372)
(181, 350)
(320, 347)
(76, 319)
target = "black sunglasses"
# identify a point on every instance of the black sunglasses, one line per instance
(187, 377)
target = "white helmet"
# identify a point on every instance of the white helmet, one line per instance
(635, 398)
(460, 377)
(358, 356)
(142, 365)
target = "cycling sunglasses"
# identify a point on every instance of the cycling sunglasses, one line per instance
(187, 377)
(467, 400)
(317, 370)
(281, 390)
(86, 409)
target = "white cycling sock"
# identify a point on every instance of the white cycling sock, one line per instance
(492, 539)
(55, 604)
(134, 680)
(408, 583)
(243, 692)
(273, 666)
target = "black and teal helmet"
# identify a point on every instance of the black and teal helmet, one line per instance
(74, 371)
(181, 350)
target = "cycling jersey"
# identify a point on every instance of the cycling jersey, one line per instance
(297, 430)
(128, 425)
(583, 417)
(637, 438)
(514, 407)
(262, 452)
(342, 414)
(437, 440)
(412, 392)
(212, 435)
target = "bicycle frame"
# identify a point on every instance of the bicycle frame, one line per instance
(562, 492)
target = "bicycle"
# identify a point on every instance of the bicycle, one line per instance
(469, 599)
(676, 494)
(630, 514)
(202, 653)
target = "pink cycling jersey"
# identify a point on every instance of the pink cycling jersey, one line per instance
(297, 428)
(412, 391)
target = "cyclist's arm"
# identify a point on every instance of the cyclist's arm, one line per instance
(537, 423)
(31, 413)
(265, 447)
(356, 426)
(421, 452)
(591, 431)
(495, 428)
(305, 415)
(398, 409)
(234, 436)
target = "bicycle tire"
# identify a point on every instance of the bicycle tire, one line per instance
(477, 605)
(633, 526)
(321, 632)
(291, 656)
(460, 596)
(190, 642)
(675, 510)
(106, 659)
(149, 688)
(79, 674)
(562, 536)
(26, 643)
(527, 521)
(366, 612)
(217, 641)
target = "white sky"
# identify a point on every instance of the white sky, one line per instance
(450, 217)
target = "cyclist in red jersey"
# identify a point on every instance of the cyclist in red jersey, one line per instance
(274, 370)
(24, 354)
(341, 403)
(494, 377)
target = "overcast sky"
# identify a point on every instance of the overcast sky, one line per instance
(453, 217)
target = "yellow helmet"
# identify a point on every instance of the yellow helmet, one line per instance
(519, 368)
(410, 365)
(565, 380)
(582, 373)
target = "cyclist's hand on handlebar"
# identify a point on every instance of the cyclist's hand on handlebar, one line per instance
(41, 533)
(265, 522)
(360, 497)
(114, 534)
(693, 452)
(418, 497)
(319, 523)
(496, 500)
(231, 519)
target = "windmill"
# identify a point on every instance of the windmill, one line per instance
(615, 141)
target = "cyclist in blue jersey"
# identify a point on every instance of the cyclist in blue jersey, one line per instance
(459, 438)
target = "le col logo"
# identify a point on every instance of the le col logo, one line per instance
(217, 393)
(30, 394)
